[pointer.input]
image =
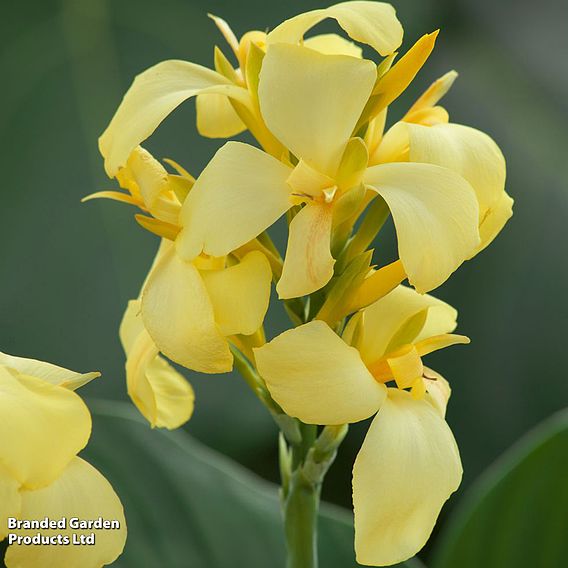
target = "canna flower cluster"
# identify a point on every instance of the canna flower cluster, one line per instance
(328, 162)
(45, 424)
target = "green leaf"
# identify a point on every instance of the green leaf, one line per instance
(517, 514)
(189, 506)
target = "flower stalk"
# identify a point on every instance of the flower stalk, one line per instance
(303, 468)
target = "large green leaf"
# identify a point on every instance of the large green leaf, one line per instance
(517, 514)
(188, 506)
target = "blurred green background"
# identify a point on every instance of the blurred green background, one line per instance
(67, 269)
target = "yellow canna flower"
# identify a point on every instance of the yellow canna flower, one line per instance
(312, 103)
(45, 425)
(409, 463)
(188, 309)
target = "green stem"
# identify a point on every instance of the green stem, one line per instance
(300, 507)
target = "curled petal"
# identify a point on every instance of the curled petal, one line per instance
(240, 193)
(308, 265)
(407, 468)
(495, 219)
(311, 102)
(178, 315)
(162, 395)
(315, 376)
(154, 94)
(80, 492)
(37, 413)
(372, 23)
(435, 213)
(48, 371)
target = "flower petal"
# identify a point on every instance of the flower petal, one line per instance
(146, 174)
(48, 372)
(473, 155)
(435, 213)
(81, 492)
(311, 102)
(178, 315)
(402, 316)
(38, 413)
(407, 468)
(438, 390)
(216, 117)
(243, 190)
(373, 23)
(308, 265)
(333, 44)
(160, 393)
(240, 294)
(10, 500)
(496, 217)
(395, 81)
(315, 376)
(154, 94)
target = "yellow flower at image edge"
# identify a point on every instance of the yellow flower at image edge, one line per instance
(44, 425)
(409, 463)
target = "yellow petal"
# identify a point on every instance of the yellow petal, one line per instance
(306, 181)
(393, 147)
(148, 175)
(81, 493)
(227, 33)
(216, 117)
(495, 218)
(178, 315)
(37, 413)
(333, 44)
(406, 367)
(315, 376)
(468, 152)
(428, 116)
(438, 390)
(243, 190)
(388, 322)
(434, 93)
(157, 227)
(375, 286)
(373, 23)
(162, 395)
(308, 265)
(10, 500)
(153, 95)
(407, 468)
(400, 75)
(374, 134)
(435, 213)
(114, 196)
(47, 371)
(437, 342)
(240, 294)
(311, 102)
